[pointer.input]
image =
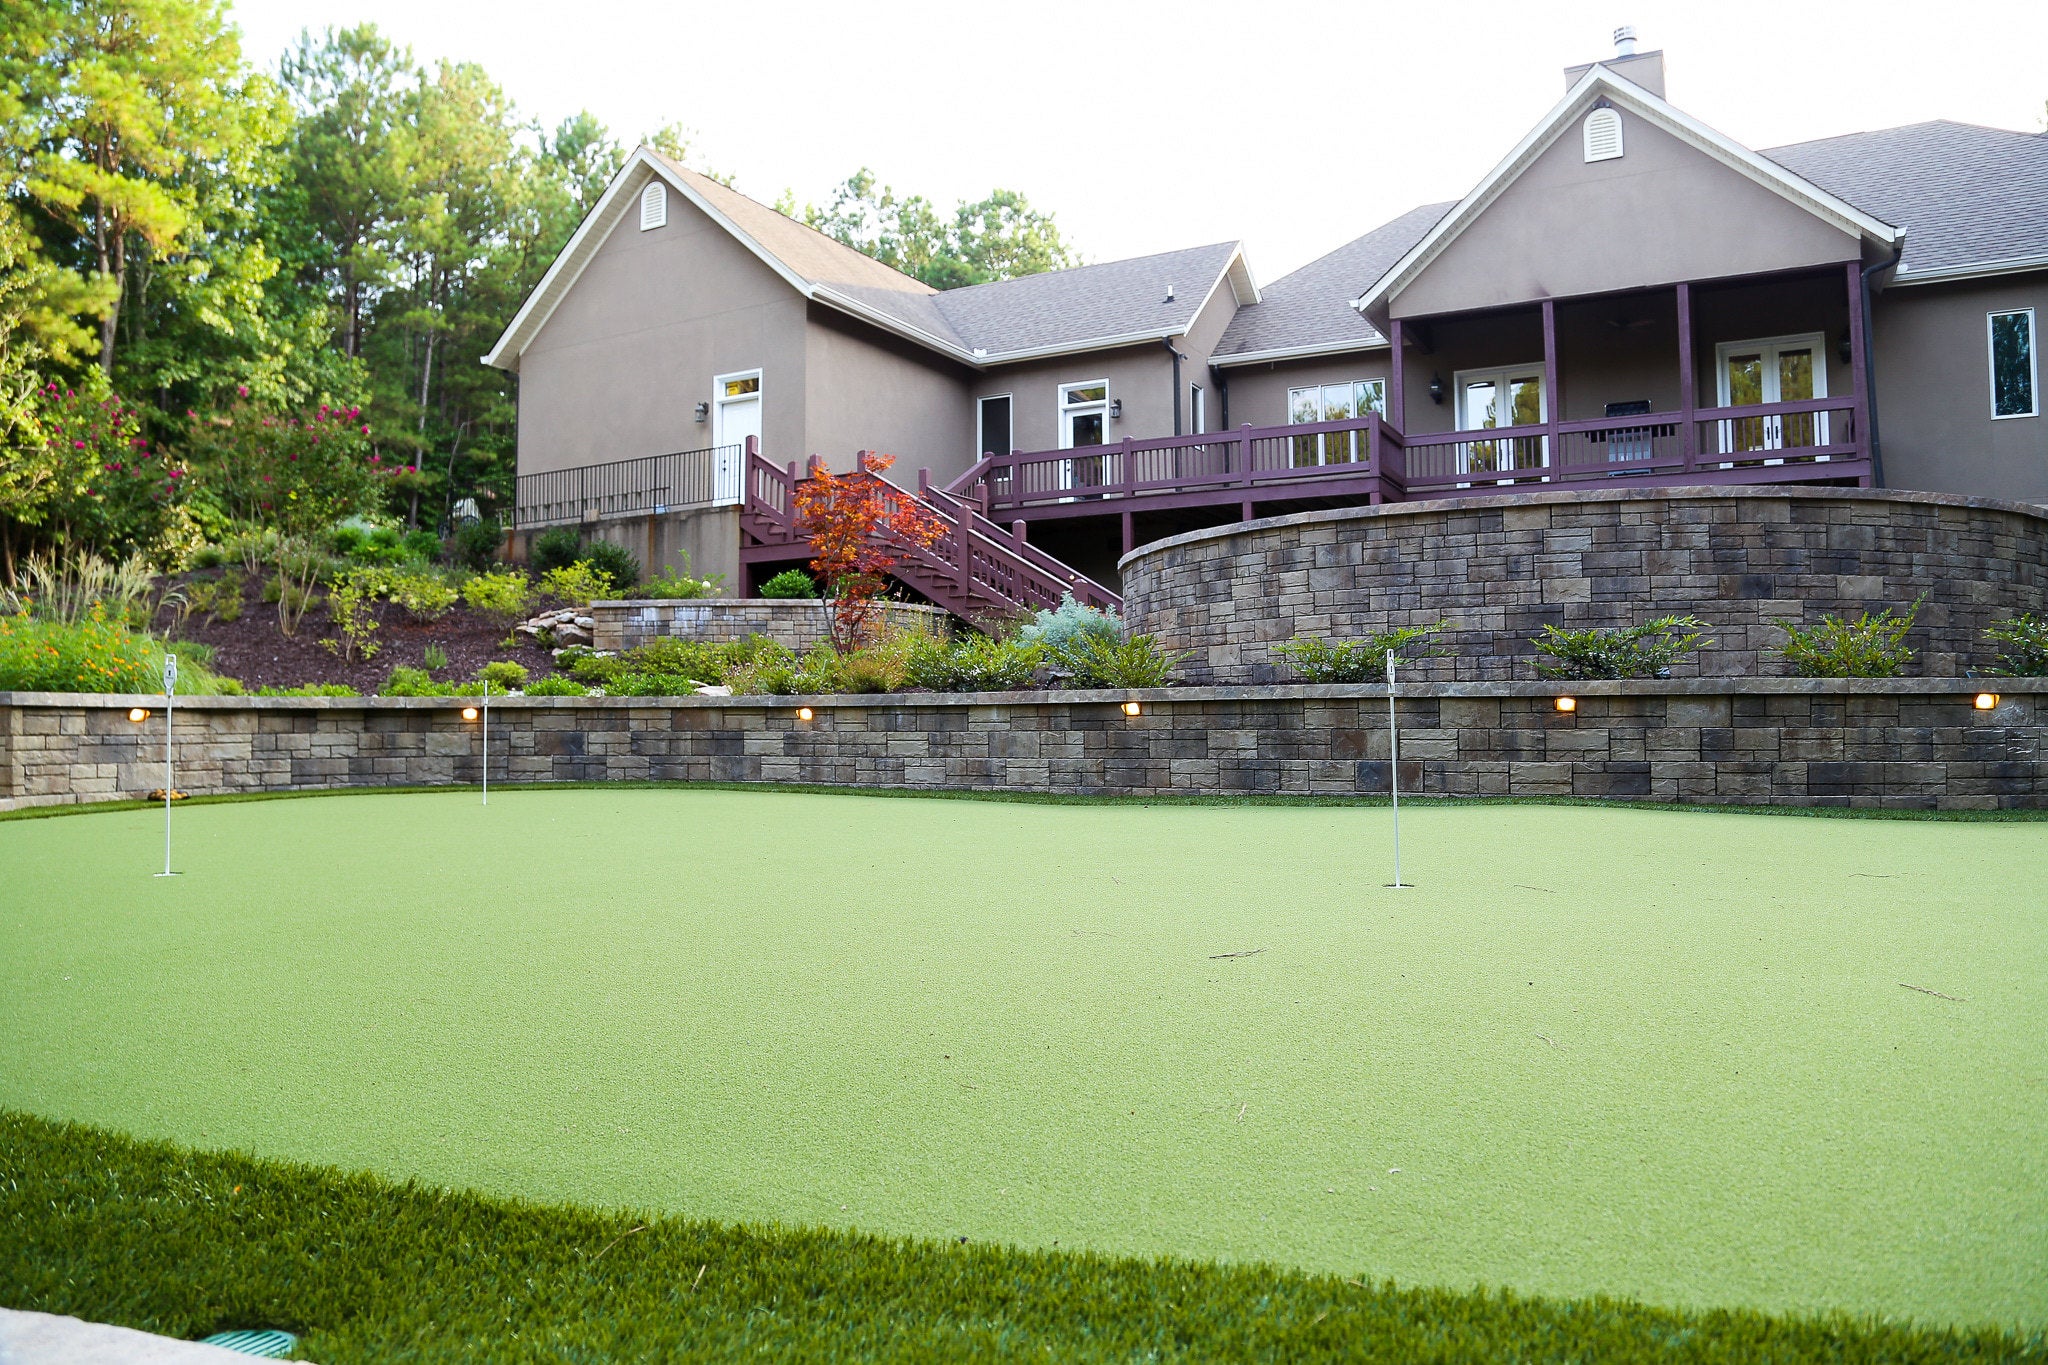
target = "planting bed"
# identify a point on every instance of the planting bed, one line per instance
(1696, 1059)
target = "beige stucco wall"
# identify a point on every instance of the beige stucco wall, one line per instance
(865, 390)
(1661, 213)
(1934, 391)
(1142, 376)
(629, 352)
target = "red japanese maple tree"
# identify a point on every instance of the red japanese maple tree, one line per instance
(860, 527)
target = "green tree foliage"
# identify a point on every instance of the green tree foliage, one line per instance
(997, 238)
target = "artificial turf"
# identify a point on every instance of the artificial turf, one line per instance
(1697, 1060)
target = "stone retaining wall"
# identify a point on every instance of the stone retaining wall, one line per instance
(1907, 743)
(1501, 567)
(796, 622)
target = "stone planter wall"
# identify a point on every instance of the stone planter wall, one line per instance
(1501, 567)
(796, 622)
(1907, 743)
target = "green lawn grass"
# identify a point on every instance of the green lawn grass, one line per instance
(1658, 1055)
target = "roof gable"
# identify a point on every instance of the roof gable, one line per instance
(1632, 100)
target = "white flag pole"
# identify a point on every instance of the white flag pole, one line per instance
(1394, 769)
(170, 705)
(487, 741)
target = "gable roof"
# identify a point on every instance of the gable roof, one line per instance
(1309, 312)
(1599, 82)
(1089, 307)
(1973, 200)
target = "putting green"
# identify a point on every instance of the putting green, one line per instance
(1656, 1054)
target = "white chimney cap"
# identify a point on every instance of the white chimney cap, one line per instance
(1625, 41)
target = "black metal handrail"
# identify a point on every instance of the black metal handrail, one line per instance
(650, 483)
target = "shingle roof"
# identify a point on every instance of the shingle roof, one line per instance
(1966, 195)
(1088, 303)
(1312, 306)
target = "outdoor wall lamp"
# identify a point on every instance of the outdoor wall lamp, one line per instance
(1845, 351)
(1567, 704)
(469, 713)
(1436, 388)
(806, 713)
(1132, 708)
(703, 411)
(1116, 409)
(138, 714)
(1985, 701)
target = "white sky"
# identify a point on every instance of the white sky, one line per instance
(1295, 125)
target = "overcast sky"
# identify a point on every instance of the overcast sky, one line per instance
(1291, 124)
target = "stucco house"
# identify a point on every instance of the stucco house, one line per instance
(1628, 295)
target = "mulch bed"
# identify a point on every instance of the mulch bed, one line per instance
(255, 652)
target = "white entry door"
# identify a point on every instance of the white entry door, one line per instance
(1773, 370)
(735, 415)
(1084, 421)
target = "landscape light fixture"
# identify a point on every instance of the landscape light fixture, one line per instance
(1986, 700)
(806, 713)
(138, 714)
(469, 713)
(1567, 704)
(1132, 708)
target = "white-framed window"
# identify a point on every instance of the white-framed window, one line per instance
(1602, 134)
(653, 206)
(1333, 403)
(2015, 371)
(994, 432)
(1201, 412)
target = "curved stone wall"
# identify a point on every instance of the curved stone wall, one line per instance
(1501, 567)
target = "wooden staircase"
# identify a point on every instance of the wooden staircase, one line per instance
(975, 569)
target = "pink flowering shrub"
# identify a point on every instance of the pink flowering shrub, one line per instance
(294, 473)
(103, 487)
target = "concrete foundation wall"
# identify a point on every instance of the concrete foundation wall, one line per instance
(1912, 743)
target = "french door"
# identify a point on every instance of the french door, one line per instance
(1510, 397)
(1773, 370)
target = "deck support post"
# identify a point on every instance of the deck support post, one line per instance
(1688, 381)
(1130, 533)
(1397, 384)
(1553, 407)
(1857, 369)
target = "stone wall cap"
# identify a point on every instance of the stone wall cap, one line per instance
(1565, 496)
(1158, 696)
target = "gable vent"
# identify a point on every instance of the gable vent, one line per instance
(1602, 131)
(654, 199)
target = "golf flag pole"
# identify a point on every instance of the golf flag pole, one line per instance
(1394, 768)
(487, 741)
(170, 705)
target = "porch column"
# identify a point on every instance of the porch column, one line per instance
(1130, 533)
(1857, 388)
(1554, 400)
(1688, 381)
(1397, 383)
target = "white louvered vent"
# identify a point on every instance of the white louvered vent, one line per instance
(1603, 135)
(654, 205)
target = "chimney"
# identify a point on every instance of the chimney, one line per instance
(1644, 68)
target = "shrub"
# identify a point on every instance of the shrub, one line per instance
(557, 686)
(556, 549)
(593, 669)
(1867, 647)
(579, 584)
(208, 556)
(503, 675)
(414, 682)
(220, 599)
(790, 583)
(615, 562)
(476, 544)
(309, 690)
(681, 585)
(1059, 628)
(1136, 662)
(1358, 661)
(641, 684)
(772, 672)
(975, 664)
(93, 654)
(352, 608)
(421, 546)
(505, 595)
(434, 658)
(421, 595)
(2022, 645)
(1640, 651)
